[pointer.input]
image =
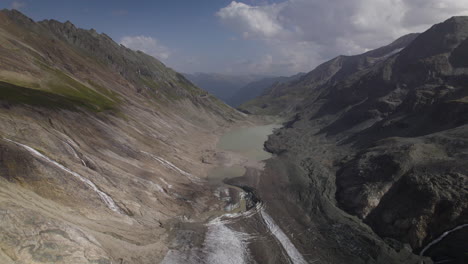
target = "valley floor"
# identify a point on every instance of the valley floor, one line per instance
(243, 232)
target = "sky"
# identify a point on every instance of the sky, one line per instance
(270, 37)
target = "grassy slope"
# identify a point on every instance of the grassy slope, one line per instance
(87, 68)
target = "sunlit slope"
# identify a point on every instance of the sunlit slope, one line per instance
(85, 66)
(100, 146)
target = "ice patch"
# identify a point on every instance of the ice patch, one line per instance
(224, 245)
(104, 197)
(231, 207)
(293, 254)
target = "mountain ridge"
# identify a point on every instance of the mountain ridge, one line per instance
(257, 88)
(325, 74)
(223, 86)
(95, 144)
(123, 61)
(385, 142)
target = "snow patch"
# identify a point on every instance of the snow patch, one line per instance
(224, 245)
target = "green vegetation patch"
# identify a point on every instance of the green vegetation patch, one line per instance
(21, 95)
(71, 88)
(60, 83)
(110, 94)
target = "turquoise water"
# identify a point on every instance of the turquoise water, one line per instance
(246, 141)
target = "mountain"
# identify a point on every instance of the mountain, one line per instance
(287, 96)
(100, 146)
(109, 156)
(382, 136)
(257, 88)
(223, 86)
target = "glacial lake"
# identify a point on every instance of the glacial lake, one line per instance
(247, 141)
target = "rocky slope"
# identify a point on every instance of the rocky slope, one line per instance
(384, 137)
(100, 146)
(287, 97)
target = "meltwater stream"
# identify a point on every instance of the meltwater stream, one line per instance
(104, 196)
(171, 166)
(441, 237)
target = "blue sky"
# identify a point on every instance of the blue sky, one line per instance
(190, 29)
(250, 36)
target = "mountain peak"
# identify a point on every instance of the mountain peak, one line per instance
(441, 38)
(17, 16)
(457, 20)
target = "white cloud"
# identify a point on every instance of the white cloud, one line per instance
(148, 45)
(285, 60)
(254, 20)
(301, 33)
(17, 5)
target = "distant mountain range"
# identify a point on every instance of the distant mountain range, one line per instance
(257, 88)
(236, 89)
(287, 96)
(223, 86)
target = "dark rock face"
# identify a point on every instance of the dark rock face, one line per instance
(385, 139)
(407, 189)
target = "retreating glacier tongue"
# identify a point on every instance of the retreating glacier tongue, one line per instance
(224, 245)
